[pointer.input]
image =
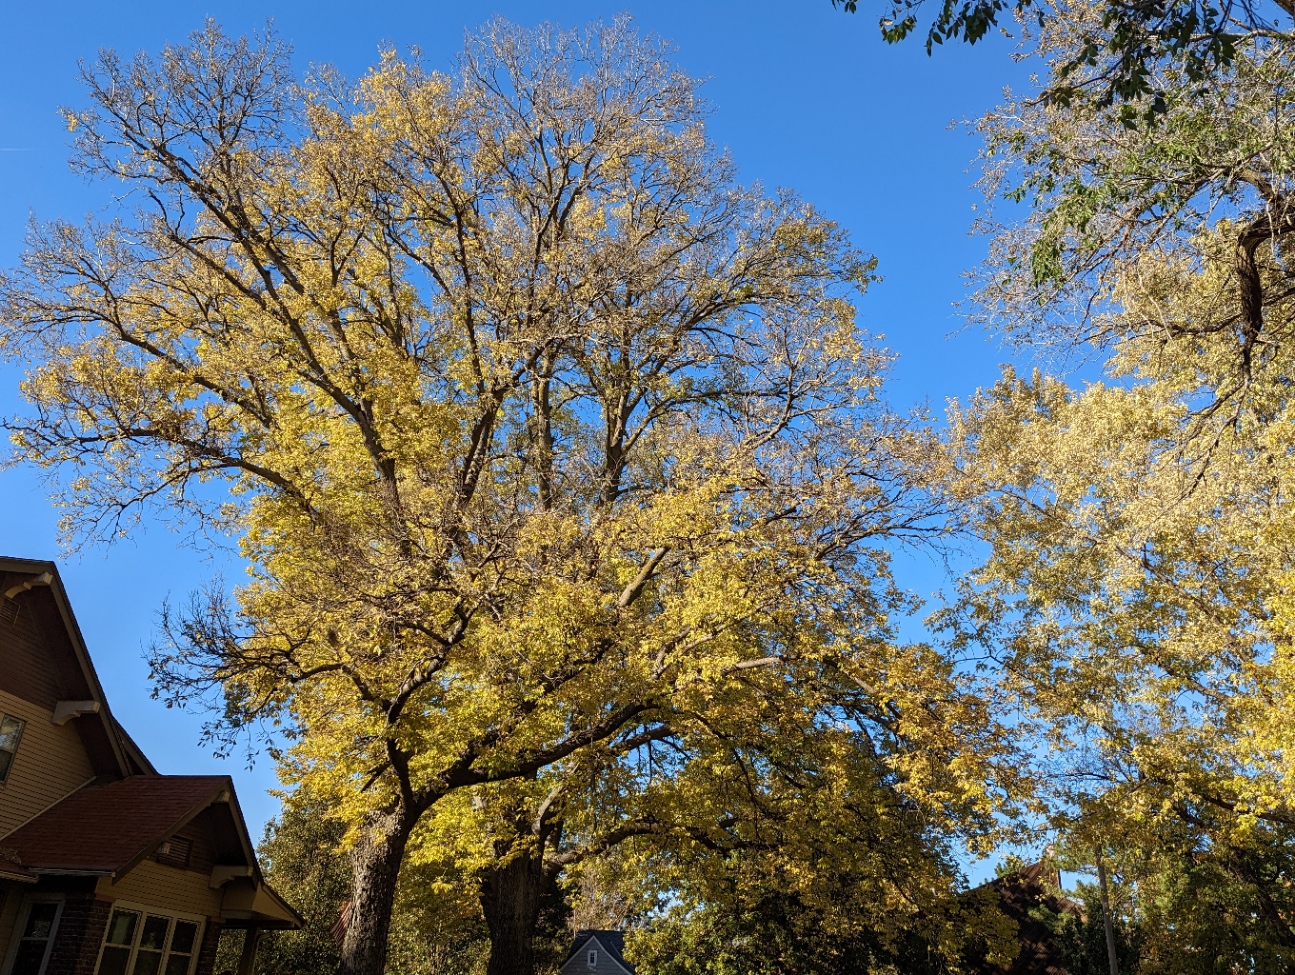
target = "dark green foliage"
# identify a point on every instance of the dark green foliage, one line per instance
(300, 854)
(775, 935)
(1200, 36)
(1081, 936)
(303, 860)
(553, 934)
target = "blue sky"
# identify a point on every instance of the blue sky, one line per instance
(804, 96)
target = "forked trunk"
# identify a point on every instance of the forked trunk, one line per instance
(376, 862)
(511, 896)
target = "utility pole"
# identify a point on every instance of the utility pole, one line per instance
(1106, 914)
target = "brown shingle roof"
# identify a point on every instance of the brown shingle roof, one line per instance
(107, 829)
(1019, 894)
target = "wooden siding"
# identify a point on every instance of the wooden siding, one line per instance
(26, 667)
(579, 963)
(202, 855)
(50, 764)
(165, 888)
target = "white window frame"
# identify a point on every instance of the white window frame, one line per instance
(24, 912)
(4, 716)
(591, 958)
(144, 910)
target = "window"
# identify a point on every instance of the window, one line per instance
(10, 732)
(142, 943)
(32, 950)
(592, 960)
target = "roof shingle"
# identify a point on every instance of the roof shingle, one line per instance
(105, 828)
(1019, 894)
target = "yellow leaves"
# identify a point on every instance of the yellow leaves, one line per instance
(1140, 532)
(554, 452)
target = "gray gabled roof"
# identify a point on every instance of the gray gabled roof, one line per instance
(612, 942)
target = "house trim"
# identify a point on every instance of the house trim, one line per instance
(24, 912)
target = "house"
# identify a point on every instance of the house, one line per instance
(106, 867)
(597, 953)
(1021, 895)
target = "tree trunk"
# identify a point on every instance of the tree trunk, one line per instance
(511, 896)
(376, 862)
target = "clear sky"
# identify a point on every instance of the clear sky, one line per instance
(804, 96)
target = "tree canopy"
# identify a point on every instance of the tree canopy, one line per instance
(557, 458)
(1119, 50)
(1135, 592)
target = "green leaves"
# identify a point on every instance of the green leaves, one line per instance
(1129, 45)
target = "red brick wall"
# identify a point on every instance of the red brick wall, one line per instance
(80, 932)
(207, 954)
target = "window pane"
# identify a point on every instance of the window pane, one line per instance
(10, 731)
(182, 939)
(154, 935)
(114, 961)
(121, 929)
(177, 965)
(147, 962)
(6, 759)
(30, 955)
(40, 921)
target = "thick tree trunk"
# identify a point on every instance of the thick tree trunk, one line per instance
(511, 896)
(376, 863)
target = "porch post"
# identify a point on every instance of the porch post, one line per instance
(247, 960)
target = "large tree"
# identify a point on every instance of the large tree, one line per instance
(543, 438)
(1135, 593)
(821, 870)
(783, 798)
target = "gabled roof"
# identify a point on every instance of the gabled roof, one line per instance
(109, 747)
(612, 942)
(1019, 894)
(108, 829)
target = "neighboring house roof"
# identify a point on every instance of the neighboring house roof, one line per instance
(1019, 895)
(611, 942)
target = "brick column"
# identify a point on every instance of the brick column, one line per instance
(80, 932)
(210, 942)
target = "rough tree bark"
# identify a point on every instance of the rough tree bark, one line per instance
(376, 862)
(511, 897)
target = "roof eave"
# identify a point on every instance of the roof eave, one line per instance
(226, 787)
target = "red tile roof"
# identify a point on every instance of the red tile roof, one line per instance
(109, 828)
